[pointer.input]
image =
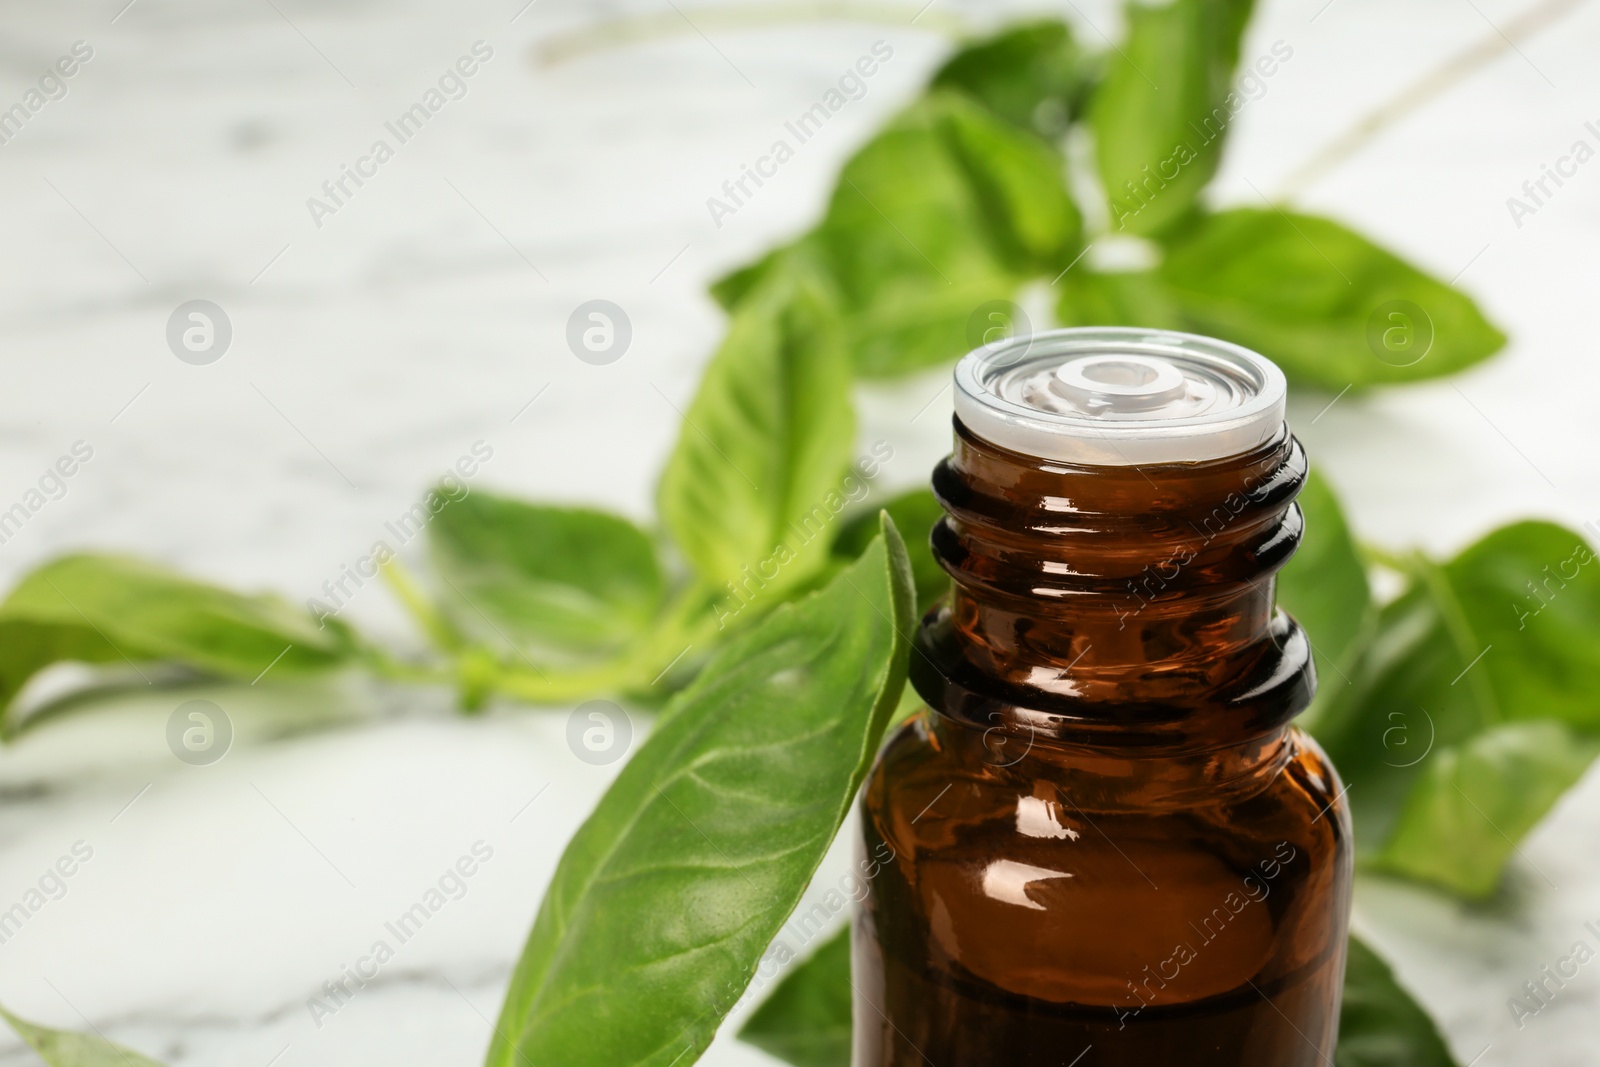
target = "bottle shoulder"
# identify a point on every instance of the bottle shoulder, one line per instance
(1030, 862)
(934, 776)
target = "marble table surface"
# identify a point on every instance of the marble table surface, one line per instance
(374, 344)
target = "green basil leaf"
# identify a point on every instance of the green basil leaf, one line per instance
(1472, 708)
(731, 289)
(64, 1048)
(1325, 588)
(546, 577)
(1162, 113)
(1326, 304)
(1531, 590)
(767, 439)
(1474, 801)
(113, 609)
(668, 895)
(1380, 1025)
(919, 323)
(1119, 298)
(914, 513)
(915, 261)
(806, 1019)
(1032, 75)
(987, 199)
(28, 647)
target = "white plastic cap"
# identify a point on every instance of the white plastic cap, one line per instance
(1118, 396)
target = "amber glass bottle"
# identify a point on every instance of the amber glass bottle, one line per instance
(1111, 848)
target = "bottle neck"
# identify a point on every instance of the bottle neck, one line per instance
(1129, 607)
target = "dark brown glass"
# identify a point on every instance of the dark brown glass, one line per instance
(1109, 846)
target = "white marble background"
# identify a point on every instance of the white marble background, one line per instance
(371, 352)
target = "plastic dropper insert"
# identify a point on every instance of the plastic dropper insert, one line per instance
(1120, 396)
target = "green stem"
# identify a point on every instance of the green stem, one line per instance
(1400, 563)
(440, 631)
(540, 686)
(686, 623)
